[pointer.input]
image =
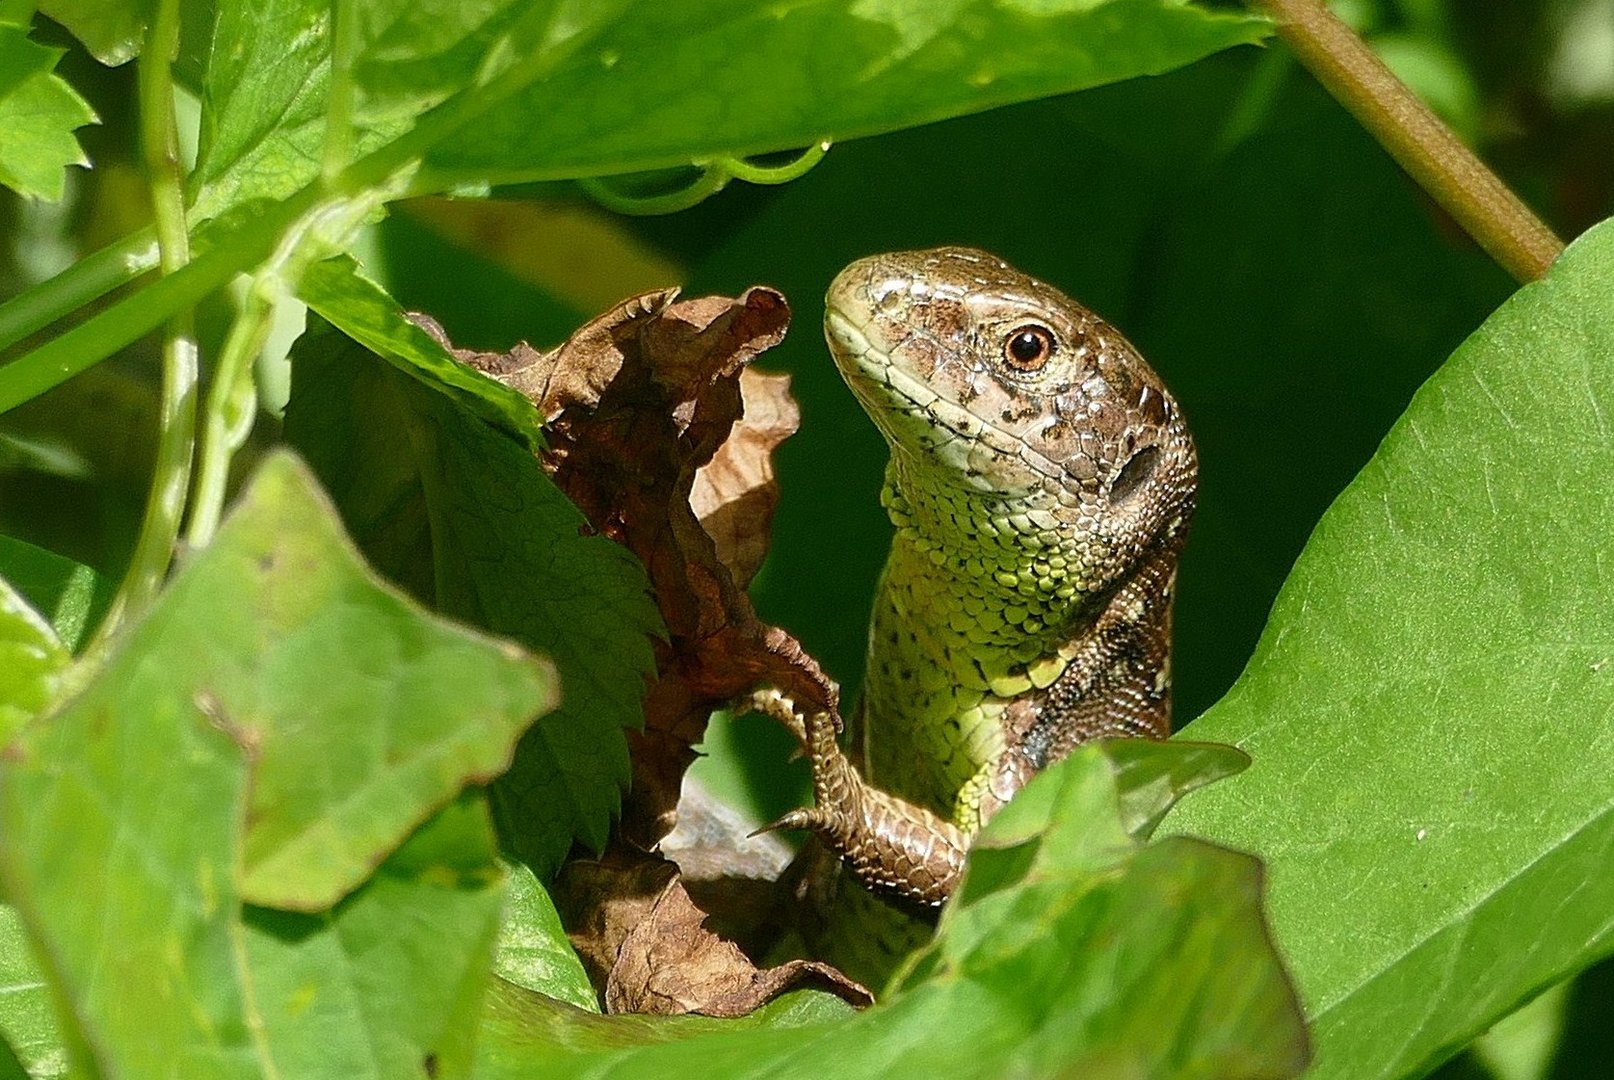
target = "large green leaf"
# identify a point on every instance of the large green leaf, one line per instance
(666, 83)
(1069, 951)
(390, 982)
(1428, 710)
(534, 89)
(463, 517)
(124, 817)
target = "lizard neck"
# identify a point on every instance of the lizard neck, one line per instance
(980, 594)
(1015, 564)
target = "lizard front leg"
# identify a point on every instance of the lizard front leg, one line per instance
(891, 846)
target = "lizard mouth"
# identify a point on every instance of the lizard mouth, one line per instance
(885, 388)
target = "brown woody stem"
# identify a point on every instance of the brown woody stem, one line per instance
(1424, 146)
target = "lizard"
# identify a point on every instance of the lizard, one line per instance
(1041, 482)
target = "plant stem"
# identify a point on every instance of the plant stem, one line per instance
(171, 473)
(99, 336)
(1425, 147)
(231, 402)
(337, 152)
(88, 279)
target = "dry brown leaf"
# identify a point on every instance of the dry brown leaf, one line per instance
(735, 494)
(649, 947)
(663, 438)
(641, 401)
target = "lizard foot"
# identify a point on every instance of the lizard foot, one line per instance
(890, 845)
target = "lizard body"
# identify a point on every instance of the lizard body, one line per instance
(1041, 484)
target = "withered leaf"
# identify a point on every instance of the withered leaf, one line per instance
(735, 494)
(663, 437)
(648, 945)
(646, 404)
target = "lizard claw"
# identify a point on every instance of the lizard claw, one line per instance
(803, 817)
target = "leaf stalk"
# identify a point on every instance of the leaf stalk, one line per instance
(1418, 140)
(176, 438)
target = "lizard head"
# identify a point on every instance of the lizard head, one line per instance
(992, 383)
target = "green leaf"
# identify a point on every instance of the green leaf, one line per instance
(1151, 783)
(664, 84)
(70, 595)
(532, 948)
(517, 90)
(20, 58)
(31, 661)
(265, 97)
(113, 32)
(1073, 965)
(389, 983)
(361, 309)
(401, 60)
(329, 801)
(465, 519)
(527, 1034)
(38, 113)
(1427, 710)
(123, 817)
(27, 1018)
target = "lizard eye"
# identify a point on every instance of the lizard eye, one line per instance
(1028, 348)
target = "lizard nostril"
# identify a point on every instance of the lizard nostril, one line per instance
(1139, 467)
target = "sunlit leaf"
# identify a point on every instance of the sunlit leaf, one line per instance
(1428, 709)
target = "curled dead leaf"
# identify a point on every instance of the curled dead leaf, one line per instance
(663, 437)
(645, 941)
(647, 405)
(735, 494)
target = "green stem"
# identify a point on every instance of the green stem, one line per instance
(708, 182)
(171, 472)
(231, 401)
(1426, 148)
(138, 314)
(337, 153)
(88, 279)
(794, 169)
